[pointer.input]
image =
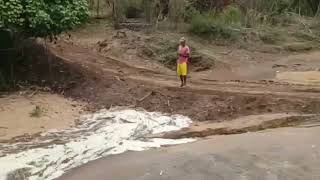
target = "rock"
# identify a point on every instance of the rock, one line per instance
(147, 51)
(120, 35)
(103, 43)
(278, 65)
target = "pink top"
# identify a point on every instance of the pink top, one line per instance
(184, 53)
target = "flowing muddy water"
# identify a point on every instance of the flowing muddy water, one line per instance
(98, 135)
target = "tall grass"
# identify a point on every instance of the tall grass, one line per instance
(271, 7)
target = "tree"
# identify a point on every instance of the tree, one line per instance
(314, 5)
(42, 18)
(34, 18)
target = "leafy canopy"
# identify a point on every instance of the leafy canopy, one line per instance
(41, 18)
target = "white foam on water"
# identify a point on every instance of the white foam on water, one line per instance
(101, 134)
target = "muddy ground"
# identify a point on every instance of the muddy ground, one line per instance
(241, 83)
(107, 68)
(110, 82)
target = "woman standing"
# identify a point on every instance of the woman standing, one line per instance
(182, 64)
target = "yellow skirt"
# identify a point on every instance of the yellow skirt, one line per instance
(182, 69)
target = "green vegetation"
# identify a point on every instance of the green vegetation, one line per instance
(214, 24)
(21, 19)
(273, 21)
(167, 53)
(41, 18)
(224, 19)
(37, 112)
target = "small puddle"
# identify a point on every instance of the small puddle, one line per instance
(101, 134)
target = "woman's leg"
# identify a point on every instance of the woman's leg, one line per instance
(185, 74)
(179, 72)
(184, 80)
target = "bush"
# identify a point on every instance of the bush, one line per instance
(167, 51)
(224, 25)
(232, 15)
(37, 112)
(190, 12)
(200, 25)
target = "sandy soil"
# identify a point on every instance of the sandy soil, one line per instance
(56, 112)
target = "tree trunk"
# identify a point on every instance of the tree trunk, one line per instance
(47, 53)
(115, 14)
(147, 7)
(317, 13)
(98, 8)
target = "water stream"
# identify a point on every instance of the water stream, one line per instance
(98, 135)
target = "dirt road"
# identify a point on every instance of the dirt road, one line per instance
(111, 82)
(291, 153)
(127, 71)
